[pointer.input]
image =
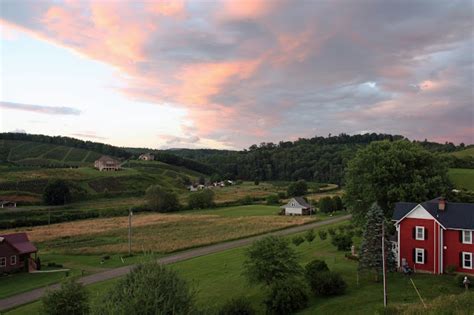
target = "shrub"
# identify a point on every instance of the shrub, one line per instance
(297, 240)
(332, 231)
(310, 236)
(327, 283)
(281, 195)
(460, 278)
(238, 306)
(322, 234)
(342, 241)
(57, 192)
(247, 200)
(256, 182)
(149, 289)
(314, 268)
(202, 199)
(286, 297)
(71, 298)
(270, 259)
(273, 200)
(451, 269)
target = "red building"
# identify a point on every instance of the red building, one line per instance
(434, 235)
(15, 253)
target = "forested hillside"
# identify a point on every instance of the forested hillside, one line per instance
(321, 159)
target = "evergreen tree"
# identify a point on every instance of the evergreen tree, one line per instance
(371, 250)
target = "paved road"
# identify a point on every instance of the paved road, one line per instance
(36, 294)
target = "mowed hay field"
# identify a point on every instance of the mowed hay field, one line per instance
(462, 178)
(159, 233)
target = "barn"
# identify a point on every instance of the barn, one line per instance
(15, 253)
(435, 235)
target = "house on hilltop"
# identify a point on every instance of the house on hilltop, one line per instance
(7, 204)
(146, 157)
(15, 253)
(297, 206)
(106, 163)
(435, 235)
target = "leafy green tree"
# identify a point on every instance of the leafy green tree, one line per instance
(270, 259)
(57, 192)
(370, 256)
(342, 241)
(322, 234)
(71, 298)
(202, 180)
(148, 289)
(337, 203)
(387, 172)
(326, 205)
(201, 200)
(297, 240)
(310, 235)
(237, 306)
(273, 200)
(161, 200)
(298, 188)
(287, 296)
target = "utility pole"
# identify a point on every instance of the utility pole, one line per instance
(130, 213)
(384, 267)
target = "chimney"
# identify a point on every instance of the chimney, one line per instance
(441, 204)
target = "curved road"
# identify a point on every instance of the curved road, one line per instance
(31, 296)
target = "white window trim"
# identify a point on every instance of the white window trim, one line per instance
(464, 255)
(420, 228)
(13, 260)
(4, 260)
(422, 251)
(464, 234)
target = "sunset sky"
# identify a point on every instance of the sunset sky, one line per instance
(227, 74)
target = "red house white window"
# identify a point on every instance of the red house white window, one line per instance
(467, 260)
(467, 237)
(420, 233)
(3, 261)
(13, 260)
(419, 255)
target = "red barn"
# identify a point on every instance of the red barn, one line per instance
(15, 252)
(434, 235)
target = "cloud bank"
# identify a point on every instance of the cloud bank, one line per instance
(255, 70)
(49, 110)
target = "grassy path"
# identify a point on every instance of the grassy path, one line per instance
(36, 294)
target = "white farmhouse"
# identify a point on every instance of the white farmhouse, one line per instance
(297, 206)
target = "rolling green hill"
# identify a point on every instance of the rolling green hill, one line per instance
(40, 154)
(469, 152)
(33, 164)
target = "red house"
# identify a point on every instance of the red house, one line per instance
(434, 235)
(15, 253)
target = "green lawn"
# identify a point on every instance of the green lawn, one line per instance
(462, 178)
(218, 277)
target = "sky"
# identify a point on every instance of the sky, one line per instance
(228, 74)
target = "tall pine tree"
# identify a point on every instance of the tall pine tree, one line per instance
(371, 250)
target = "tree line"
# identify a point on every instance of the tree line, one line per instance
(320, 159)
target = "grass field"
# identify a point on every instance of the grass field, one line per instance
(218, 278)
(464, 153)
(462, 178)
(160, 233)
